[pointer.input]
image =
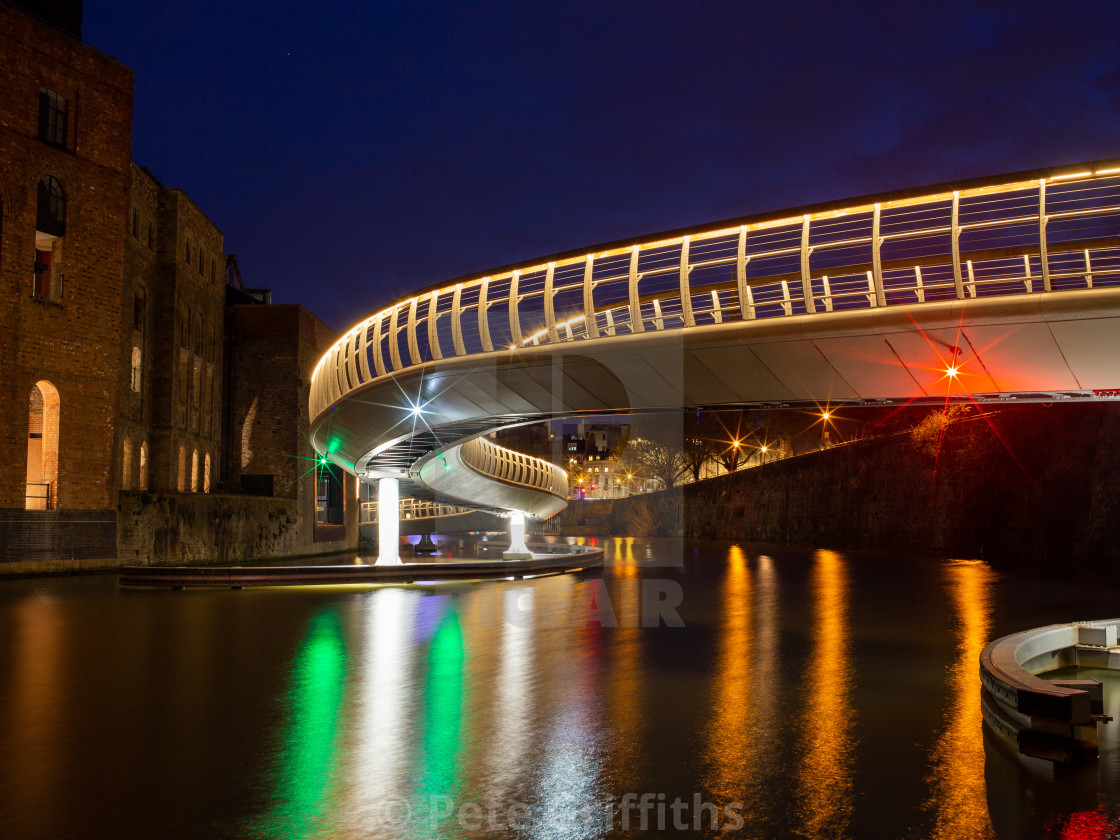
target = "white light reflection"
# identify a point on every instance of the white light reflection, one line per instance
(512, 723)
(385, 706)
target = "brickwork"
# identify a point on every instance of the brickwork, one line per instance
(64, 536)
(272, 352)
(175, 274)
(70, 338)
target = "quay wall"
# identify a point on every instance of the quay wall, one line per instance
(1036, 485)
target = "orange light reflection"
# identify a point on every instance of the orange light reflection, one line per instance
(826, 773)
(958, 794)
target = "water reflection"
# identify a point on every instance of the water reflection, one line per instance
(384, 719)
(443, 708)
(826, 774)
(957, 791)
(304, 779)
(732, 743)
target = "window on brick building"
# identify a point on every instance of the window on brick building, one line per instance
(144, 465)
(135, 223)
(42, 447)
(50, 227)
(206, 474)
(136, 369)
(198, 335)
(52, 117)
(181, 483)
(126, 464)
(139, 311)
(201, 261)
(187, 251)
(194, 471)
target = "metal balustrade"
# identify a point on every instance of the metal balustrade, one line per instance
(1037, 232)
(503, 464)
(412, 509)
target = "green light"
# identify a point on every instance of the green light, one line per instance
(444, 708)
(303, 783)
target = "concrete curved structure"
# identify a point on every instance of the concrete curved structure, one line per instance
(1054, 719)
(997, 289)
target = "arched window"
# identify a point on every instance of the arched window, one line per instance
(42, 447)
(206, 474)
(181, 484)
(136, 360)
(144, 465)
(194, 471)
(126, 465)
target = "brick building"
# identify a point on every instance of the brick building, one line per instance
(65, 149)
(112, 408)
(174, 296)
(271, 351)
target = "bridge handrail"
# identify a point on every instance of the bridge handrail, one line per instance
(516, 468)
(1028, 234)
(410, 508)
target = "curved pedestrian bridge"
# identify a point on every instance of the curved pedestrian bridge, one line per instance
(998, 289)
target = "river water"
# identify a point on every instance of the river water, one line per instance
(690, 689)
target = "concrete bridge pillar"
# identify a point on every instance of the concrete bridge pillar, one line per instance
(388, 522)
(517, 548)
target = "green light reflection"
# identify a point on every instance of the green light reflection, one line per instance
(303, 781)
(443, 697)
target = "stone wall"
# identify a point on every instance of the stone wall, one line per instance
(210, 529)
(1033, 484)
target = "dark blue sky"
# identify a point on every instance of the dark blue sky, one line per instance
(354, 152)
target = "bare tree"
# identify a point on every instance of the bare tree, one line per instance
(656, 448)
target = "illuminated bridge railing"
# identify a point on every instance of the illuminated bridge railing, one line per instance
(1060, 230)
(413, 509)
(515, 468)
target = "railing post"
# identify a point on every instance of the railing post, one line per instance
(514, 320)
(636, 324)
(378, 361)
(413, 344)
(955, 244)
(457, 320)
(876, 259)
(363, 352)
(351, 361)
(549, 309)
(589, 320)
(746, 303)
(433, 331)
(1042, 235)
(806, 281)
(394, 347)
(686, 291)
(483, 320)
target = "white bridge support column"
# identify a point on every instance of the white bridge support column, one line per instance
(517, 548)
(388, 523)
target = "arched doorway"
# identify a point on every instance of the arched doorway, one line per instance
(42, 447)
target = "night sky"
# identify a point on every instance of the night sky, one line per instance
(355, 152)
